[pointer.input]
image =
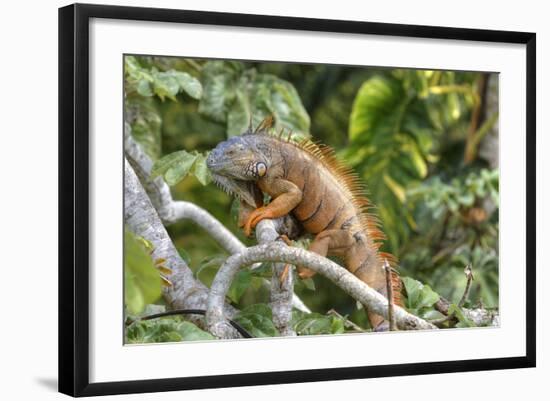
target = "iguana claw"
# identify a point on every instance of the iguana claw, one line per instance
(255, 217)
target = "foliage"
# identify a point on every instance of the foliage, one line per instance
(174, 167)
(460, 225)
(396, 126)
(405, 132)
(316, 323)
(257, 320)
(420, 297)
(166, 329)
(164, 84)
(238, 96)
(142, 282)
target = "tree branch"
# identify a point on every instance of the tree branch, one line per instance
(478, 316)
(142, 219)
(282, 288)
(277, 252)
(171, 211)
(389, 291)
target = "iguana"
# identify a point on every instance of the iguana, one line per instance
(306, 180)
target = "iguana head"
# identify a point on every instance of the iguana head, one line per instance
(236, 164)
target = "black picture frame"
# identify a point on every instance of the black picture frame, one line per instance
(74, 198)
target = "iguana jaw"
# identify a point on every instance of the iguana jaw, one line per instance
(238, 188)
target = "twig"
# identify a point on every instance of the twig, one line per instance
(469, 278)
(278, 252)
(389, 291)
(451, 318)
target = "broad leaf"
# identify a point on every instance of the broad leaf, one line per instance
(174, 167)
(189, 84)
(141, 280)
(420, 297)
(257, 320)
(315, 323)
(240, 284)
(201, 171)
(239, 97)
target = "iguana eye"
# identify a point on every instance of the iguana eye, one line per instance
(261, 169)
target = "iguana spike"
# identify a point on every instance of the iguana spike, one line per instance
(250, 129)
(265, 125)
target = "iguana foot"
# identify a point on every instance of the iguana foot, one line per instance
(384, 326)
(255, 217)
(285, 239)
(305, 273)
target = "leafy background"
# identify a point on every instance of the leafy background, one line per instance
(425, 142)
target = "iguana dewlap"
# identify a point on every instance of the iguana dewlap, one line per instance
(306, 180)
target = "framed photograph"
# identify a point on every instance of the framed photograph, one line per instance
(252, 199)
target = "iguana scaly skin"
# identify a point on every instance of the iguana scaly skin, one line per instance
(306, 180)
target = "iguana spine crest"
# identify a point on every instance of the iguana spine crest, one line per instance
(350, 183)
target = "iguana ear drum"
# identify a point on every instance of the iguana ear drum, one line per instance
(261, 169)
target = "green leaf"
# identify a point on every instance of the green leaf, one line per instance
(240, 284)
(165, 84)
(376, 109)
(144, 119)
(419, 296)
(428, 297)
(463, 320)
(174, 166)
(315, 323)
(201, 171)
(219, 80)
(190, 332)
(337, 326)
(144, 88)
(272, 95)
(208, 268)
(236, 96)
(239, 115)
(309, 284)
(184, 255)
(188, 84)
(166, 329)
(397, 189)
(413, 289)
(257, 320)
(142, 282)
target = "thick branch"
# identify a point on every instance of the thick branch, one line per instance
(172, 211)
(142, 218)
(277, 252)
(282, 288)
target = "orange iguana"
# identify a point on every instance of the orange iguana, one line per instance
(306, 180)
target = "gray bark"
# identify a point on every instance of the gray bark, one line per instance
(277, 252)
(142, 219)
(171, 211)
(281, 292)
(490, 144)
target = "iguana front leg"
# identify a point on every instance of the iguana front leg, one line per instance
(286, 196)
